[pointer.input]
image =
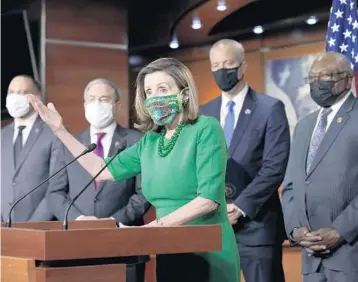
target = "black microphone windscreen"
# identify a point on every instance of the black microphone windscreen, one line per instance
(121, 147)
(90, 147)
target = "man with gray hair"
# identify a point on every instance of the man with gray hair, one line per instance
(320, 193)
(121, 201)
(258, 139)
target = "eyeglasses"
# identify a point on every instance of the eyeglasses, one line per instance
(23, 92)
(324, 76)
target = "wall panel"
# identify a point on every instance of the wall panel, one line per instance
(70, 68)
(81, 20)
(84, 40)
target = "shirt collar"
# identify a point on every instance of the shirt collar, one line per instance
(238, 99)
(339, 104)
(335, 108)
(27, 122)
(109, 129)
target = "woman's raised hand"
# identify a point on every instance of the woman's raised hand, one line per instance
(48, 113)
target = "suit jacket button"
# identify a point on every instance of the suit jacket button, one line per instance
(95, 200)
(307, 182)
(14, 183)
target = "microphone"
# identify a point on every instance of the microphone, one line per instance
(89, 149)
(121, 148)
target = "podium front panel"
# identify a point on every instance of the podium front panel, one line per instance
(47, 245)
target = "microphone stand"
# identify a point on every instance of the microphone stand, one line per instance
(65, 220)
(90, 148)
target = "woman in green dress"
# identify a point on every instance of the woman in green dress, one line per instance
(182, 160)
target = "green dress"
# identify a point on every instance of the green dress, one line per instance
(195, 167)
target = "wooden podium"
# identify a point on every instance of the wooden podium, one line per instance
(91, 251)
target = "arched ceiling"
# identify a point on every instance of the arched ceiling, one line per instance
(209, 17)
(268, 12)
(151, 23)
(237, 21)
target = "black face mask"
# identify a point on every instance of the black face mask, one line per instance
(322, 92)
(226, 79)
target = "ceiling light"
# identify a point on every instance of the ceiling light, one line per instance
(135, 60)
(258, 29)
(311, 20)
(196, 24)
(174, 44)
(221, 6)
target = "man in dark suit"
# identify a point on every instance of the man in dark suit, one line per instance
(28, 155)
(122, 201)
(258, 139)
(320, 194)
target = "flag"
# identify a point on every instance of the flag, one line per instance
(342, 33)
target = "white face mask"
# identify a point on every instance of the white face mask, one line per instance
(99, 114)
(17, 105)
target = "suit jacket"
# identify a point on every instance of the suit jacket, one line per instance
(36, 163)
(258, 156)
(124, 200)
(327, 196)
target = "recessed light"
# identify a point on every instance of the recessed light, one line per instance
(258, 29)
(312, 20)
(174, 44)
(221, 6)
(196, 24)
(135, 60)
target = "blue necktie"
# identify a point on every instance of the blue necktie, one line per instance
(317, 138)
(229, 125)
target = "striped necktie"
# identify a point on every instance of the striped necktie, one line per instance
(317, 138)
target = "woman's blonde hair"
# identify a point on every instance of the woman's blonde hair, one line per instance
(184, 81)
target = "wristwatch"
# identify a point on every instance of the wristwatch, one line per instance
(292, 240)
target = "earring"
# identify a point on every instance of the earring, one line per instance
(186, 99)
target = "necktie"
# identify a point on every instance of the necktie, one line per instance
(18, 144)
(229, 125)
(317, 138)
(99, 150)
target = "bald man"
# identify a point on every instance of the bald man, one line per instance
(257, 135)
(27, 155)
(320, 194)
(121, 201)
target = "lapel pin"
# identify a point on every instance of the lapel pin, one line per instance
(247, 111)
(37, 130)
(116, 144)
(339, 120)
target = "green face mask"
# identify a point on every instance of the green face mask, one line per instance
(164, 109)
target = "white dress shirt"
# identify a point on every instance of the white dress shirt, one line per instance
(238, 100)
(106, 142)
(29, 123)
(335, 108)
(107, 139)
